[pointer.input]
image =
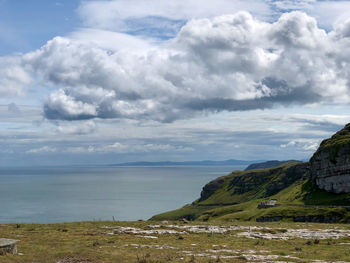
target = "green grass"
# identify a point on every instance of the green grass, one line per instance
(335, 143)
(254, 184)
(315, 196)
(88, 242)
(189, 212)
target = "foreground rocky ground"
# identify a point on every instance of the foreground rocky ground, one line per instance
(97, 242)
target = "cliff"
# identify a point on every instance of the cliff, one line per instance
(330, 165)
(240, 186)
(317, 191)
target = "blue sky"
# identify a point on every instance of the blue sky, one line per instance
(85, 82)
(27, 25)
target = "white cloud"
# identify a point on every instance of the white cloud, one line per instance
(148, 17)
(231, 62)
(108, 40)
(294, 4)
(13, 77)
(81, 128)
(116, 12)
(111, 148)
(129, 148)
(309, 145)
(329, 13)
(66, 106)
(258, 133)
(226, 63)
(44, 149)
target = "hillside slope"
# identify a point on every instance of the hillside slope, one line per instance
(316, 191)
(235, 197)
(267, 164)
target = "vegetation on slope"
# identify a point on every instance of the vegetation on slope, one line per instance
(342, 137)
(236, 197)
(333, 145)
(268, 164)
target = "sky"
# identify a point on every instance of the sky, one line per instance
(112, 81)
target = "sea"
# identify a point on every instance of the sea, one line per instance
(67, 194)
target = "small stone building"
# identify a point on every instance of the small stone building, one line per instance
(268, 203)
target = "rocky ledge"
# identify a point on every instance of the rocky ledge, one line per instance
(330, 165)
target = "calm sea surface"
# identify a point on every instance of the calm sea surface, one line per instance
(65, 194)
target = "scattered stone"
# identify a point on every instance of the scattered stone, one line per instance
(236, 251)
(138, 231)
(247, 257)
(244, 231)
(185, 221)
(150, 246)
(74, 260)
(298, 233)
(148, 237)
(209, 228)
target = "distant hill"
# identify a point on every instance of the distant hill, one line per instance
(189, 163)
(314, 191)
(268, 164)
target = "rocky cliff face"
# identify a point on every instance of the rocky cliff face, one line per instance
(330, 165)
(211, 187)
(259, 183)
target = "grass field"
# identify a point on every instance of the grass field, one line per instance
(88, 242)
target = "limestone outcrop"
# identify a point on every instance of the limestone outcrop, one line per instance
(330, 165)
(8, 246)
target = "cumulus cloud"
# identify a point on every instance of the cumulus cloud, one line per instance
(307, 145)
(230, 62)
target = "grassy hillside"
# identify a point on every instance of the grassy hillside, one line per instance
(235, 198)
(268, 164)
(333, 145)
(92, 242)
(340, 138)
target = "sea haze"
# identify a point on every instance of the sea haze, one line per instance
(65, 194)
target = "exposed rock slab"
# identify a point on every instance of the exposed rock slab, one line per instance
(8, 245)
(330, 165)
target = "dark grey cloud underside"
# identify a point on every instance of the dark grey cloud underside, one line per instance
(302, 95)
